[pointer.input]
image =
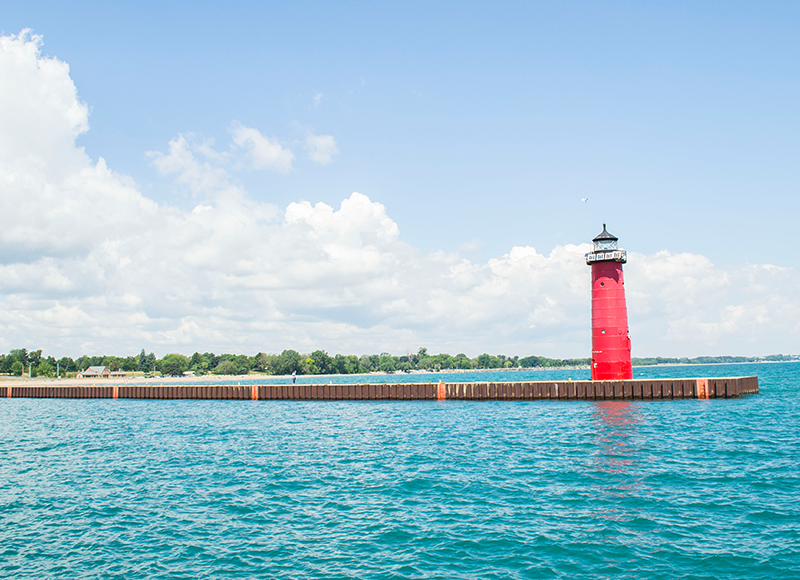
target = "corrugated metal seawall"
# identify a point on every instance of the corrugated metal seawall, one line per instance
(658, 389)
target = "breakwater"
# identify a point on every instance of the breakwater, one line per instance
(648, 389)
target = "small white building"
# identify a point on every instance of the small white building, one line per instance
(100, 373)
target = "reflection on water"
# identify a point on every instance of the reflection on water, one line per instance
(616, 457)
(617, 427)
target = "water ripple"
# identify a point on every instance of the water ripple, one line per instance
(545, 489)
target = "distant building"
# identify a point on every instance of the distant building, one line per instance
(100, 373)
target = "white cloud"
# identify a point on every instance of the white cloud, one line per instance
(684, 303)
(321, 148)
(203, 178)
(40, 112)
(317, 99)
(471, 246)
(263, 152)
(88, 264)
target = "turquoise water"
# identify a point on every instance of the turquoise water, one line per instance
(717, 370)
(393, 489)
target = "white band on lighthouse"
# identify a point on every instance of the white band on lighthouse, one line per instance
(616, 256)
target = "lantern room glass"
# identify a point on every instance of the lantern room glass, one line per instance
(605, 245)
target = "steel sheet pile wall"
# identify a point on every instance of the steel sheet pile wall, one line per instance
(653, 389)
(58, 392)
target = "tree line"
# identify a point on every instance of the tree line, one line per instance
(707, 360)
(21, 361)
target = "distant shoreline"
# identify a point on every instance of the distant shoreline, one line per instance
(43, 381)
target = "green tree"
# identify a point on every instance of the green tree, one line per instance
(44, 369)
(211, 360)
(261, 362)
(352, 365)
(463, 362)
(16, 368)
(130, 364)
(484, 361)
(425, 362)
(149, 362)
(19, 354)
(309, 368)
(365, 364)
(142, 366)
(112, 362)
(226, 367)
(444, 361)
(199, 364)
(322, 361)
(287, 362)
(241, 362)
(345, 365)
(340, 364)
(531, 361)
(173, 365)
(83, 362)
(66, 365)
(387, 364)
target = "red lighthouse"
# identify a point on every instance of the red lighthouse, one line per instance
(611, 342)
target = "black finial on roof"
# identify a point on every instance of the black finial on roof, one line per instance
(605, 236)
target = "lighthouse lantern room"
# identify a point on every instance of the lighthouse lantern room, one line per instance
(611, 343)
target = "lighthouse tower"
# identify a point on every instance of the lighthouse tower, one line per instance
(611, 342)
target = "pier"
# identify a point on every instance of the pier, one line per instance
(649, 389)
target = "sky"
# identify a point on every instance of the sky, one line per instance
(379, 177)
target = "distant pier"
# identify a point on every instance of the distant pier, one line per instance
(650, 389)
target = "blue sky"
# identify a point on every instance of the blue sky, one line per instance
(478, 127)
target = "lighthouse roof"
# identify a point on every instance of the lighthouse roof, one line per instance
(605, 236)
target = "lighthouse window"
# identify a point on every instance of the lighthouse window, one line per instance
(603, 331)
(602, 283)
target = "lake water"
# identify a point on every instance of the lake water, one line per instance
(406, 489)
(717, 370)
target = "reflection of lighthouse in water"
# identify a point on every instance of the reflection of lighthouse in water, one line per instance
(611, 343)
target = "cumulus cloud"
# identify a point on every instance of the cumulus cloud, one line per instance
(263, 152)
(40, 113)
(89, 264)
(321, 148)
(202, 177)
(684, 301)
